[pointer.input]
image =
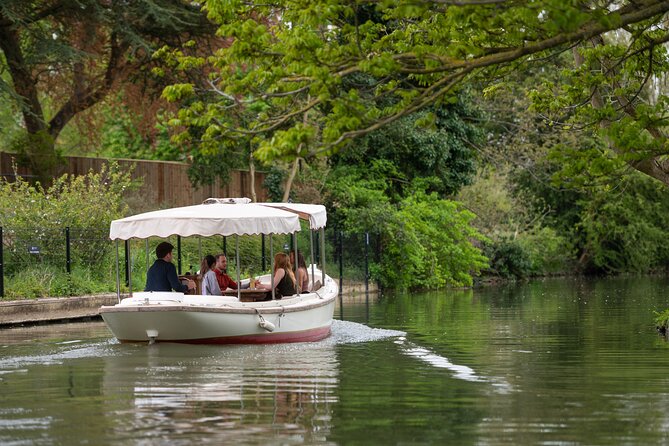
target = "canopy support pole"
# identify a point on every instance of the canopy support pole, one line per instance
(199, 249)
(322, 240)
(313, 259)
(298, 283)
(271, 270)
(129, 257)
(118, 276)
(239, 285)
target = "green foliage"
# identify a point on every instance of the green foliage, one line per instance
(508, 259)
(305, 79)
(50, 281)
(426, 241)
(625, 229)
(274, 183)
(441, 156)
(122, 139)
(662, 320)
(548, 251)
(31, 214)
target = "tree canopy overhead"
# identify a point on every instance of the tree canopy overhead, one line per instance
(292, 66)
(60, 57)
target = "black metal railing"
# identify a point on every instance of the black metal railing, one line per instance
(347, 255)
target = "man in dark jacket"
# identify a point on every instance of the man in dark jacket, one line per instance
(162, 276)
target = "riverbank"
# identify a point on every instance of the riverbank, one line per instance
(68, 309)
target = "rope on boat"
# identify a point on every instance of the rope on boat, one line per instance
(282, 314)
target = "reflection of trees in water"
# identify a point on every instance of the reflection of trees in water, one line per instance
(236, 393)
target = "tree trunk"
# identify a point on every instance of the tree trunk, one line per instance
(289, 181)
(252, 174)
(37, 146)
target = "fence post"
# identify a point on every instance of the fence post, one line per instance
(68, 259)
(341, 261)
(366, 262)
(2, 266)
(378, 260)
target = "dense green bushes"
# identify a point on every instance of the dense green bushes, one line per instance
(34, 216)
(425, 241)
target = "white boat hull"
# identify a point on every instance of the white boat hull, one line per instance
(174, 317)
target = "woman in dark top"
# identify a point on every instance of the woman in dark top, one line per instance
(284, 279)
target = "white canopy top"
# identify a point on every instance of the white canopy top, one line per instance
(225, 217)
(315, 213)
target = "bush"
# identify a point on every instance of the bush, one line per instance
(549, 253)
(508, 259)
(426, 242)
(49, 281)
(32, 215)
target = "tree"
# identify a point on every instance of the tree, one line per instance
(289, 59)
(64, 56)
(441, 156)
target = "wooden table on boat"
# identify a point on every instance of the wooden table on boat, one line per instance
(250, 295)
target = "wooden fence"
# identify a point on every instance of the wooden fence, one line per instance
(164, 182)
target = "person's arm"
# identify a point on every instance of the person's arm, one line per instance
(278, 275)
(174, 279)
(215, 290)
(304, 277)
(231, 283)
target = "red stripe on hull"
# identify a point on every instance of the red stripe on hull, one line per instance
(266, 338)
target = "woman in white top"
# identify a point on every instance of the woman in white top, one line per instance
(209, 283)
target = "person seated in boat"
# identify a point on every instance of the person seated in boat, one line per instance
(225, 281)
(284, 279)
(302, 274)
(162, 275)
(209, 283)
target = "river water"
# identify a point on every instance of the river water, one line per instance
(573, 362)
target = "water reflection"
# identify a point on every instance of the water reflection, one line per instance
(100, 391)
(236, 394)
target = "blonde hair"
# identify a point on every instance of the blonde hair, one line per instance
(281, 260)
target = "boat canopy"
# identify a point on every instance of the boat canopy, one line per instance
(315, 213)
(219, 216)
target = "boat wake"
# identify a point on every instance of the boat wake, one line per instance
(500, 385)
(345, 332)
(435, 360)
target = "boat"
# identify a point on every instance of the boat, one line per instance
(243, 316)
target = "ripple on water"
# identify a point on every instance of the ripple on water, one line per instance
(58, 354)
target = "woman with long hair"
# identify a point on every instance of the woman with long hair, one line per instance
(209, 283)
(284, 279)
(302, 274)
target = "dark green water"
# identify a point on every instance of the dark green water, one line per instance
(552, 362)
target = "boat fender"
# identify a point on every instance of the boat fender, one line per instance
(267, 325)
